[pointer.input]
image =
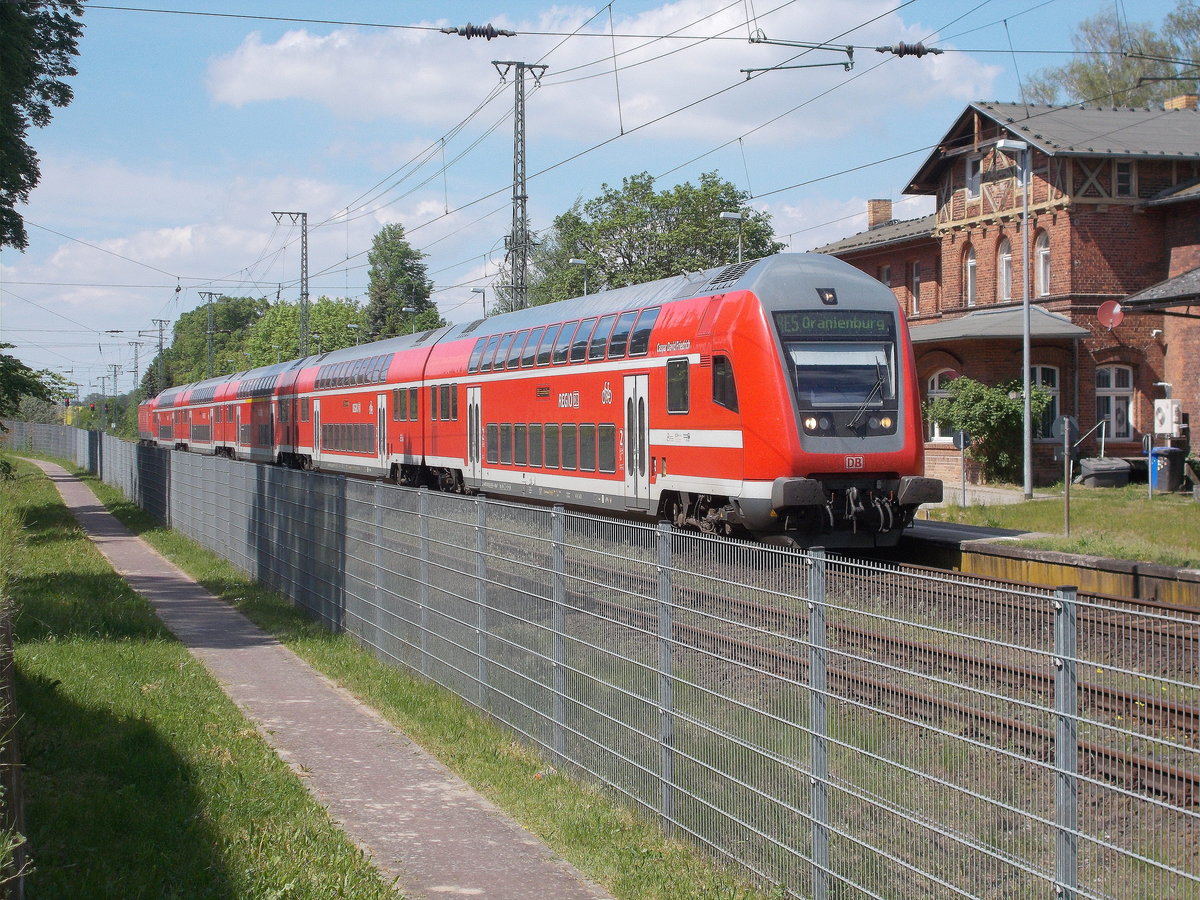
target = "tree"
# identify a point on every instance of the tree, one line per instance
(398, 282)
(18, 381)
(186, 360)
(1106, 74)
(279, 328)
(636, 234)
(994, 416)
(38, 41)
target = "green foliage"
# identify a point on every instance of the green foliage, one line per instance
(635, 234)
(19, 382)
(38, 42)
(276, 336)
(186, 360)
(1104, 74)
(994, 416)
(398, 282)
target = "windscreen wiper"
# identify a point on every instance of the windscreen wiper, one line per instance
(877, 389)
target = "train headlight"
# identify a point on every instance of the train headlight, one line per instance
(825, 423)
(810, 423)
(873, 423)
(885, 422)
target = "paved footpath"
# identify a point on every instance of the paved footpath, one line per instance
(416, 820)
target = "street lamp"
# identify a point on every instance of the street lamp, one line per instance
(483, 298)
(1022, 147)
(735, 217)
(413, 321)
(354, 328)
(317, 337)
(582, 262)
(275, 347)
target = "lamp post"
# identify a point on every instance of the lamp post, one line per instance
(318, 338)
(1022, 147)
(582, 262)
(412, 323)
(483, 298)
(354, 328)
(735, 217)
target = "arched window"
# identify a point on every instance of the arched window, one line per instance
(1114, 399)
(969, 276)
(1004, 271)
(1046, 377)
(1041, 254)
(936, 387)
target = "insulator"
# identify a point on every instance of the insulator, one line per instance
(903, 49)
(484, 31)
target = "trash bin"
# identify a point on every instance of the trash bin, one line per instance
(1166, 469)
(1104, 472)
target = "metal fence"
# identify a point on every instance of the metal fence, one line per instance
(840, 728)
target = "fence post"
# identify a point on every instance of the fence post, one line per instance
(666, 689)
(380, 627)
(481, 596)
(1066, 744)
(818, 723)
(423, 600)
(558, 625)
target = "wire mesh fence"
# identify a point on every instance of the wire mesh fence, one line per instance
(839, 728)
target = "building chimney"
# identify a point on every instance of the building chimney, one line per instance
(1183, 101)
(879, 212)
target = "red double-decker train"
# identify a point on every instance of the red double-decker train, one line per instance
(775, 397)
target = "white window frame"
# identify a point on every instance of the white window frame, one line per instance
(1004, 270)
(974, 175)
(914, 285)
(885, 275)
(1049, 378)
(1118, 165)
(1042, 258)
(1114, 401)
(970, 276)
(935, 387)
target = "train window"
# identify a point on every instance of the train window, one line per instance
(607, 435)
(485, 362)
(304, 407)
(502, 352)
(547, 345)
(678, 400)
(724, 389)
(531, 345)
(378, 368)
(551, 455)
(579, 345)
(535, 445)
(476, 355)
(520, 443)
(562, 346)
(620, 335)
(445, 403)
(639, 341)
(570, 447)
(518, 345)
(399, 405)
(587, 448)
(454, 402)
(506, 440)
(412, 404)
(433, 402)
(493, 443)
(599, 342)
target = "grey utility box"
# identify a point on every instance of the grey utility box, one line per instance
(1103, 472)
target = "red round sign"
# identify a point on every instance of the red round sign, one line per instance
(1110, 314)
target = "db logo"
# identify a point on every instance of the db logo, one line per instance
(856, 462)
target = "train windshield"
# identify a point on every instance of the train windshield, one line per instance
(839, 374)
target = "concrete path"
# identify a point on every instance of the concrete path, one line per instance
(416, 820)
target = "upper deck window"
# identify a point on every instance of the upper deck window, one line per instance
(639, 341)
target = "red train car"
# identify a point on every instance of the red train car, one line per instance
(776, 397)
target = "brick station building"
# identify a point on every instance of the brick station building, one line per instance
(1114, 215)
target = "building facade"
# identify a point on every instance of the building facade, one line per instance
(1083, 209)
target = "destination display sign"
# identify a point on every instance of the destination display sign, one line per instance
(826, 323)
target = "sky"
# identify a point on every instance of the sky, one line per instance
(187, 132)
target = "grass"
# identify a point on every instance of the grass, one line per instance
(141, 779)
(1122, 523)
(612, 844)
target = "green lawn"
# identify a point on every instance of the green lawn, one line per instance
(1123, 523)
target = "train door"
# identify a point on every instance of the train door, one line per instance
(637, 442)
(316, 424)
(474, 434)
(381, 427)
